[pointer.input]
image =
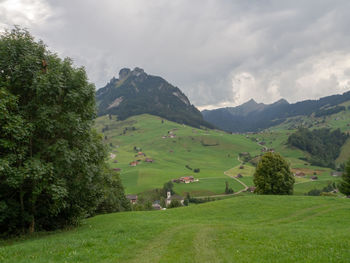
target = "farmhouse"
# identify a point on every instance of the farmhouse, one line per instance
(173, 197)
(117, 169)
(187, 179)
(132, 198)
(239, 176)
(134, 163)
(336, 174)
(251, 189)
(156, 205)
(299, 174)
(314, 178)
(149, 160)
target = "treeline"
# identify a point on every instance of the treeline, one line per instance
(323, 144)
(329, 111)
(52, 163)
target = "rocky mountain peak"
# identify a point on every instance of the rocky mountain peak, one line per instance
(136, 92)
(123, 73)
(281, 101)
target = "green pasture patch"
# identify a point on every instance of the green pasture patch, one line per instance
(239, 229)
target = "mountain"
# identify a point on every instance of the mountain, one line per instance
(247, 108)
(136, 92)
(252, 116)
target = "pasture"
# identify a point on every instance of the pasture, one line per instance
(177, 150)
(240, 229)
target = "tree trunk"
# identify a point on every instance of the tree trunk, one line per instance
(32, 226)
(21, 194)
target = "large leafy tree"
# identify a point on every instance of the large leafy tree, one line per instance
(52, 164)
(273, 175)
(344, 186)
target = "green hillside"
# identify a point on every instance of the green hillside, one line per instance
(212, 151)
(340, 120)
(241, 229)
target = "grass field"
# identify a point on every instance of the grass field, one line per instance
(240, 229)
(212, 151)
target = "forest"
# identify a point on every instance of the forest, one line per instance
(323, 145)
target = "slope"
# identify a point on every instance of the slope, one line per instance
(172, 147)
(175, 148)
(242, 229)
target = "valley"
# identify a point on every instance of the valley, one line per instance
(212, 151)
(174, 131)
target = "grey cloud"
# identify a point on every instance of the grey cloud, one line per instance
(218, 52)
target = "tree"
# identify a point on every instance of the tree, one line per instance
(168, 187)
(228, 190)
(52, 163)
(113, 199)
(344, 186)
(273, 175)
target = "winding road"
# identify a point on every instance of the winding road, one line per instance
(231, 176)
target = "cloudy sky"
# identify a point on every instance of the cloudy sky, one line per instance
(219, 52)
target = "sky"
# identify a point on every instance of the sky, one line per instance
(220, 53)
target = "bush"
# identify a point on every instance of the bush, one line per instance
(344, 186)
(174, 203)
(314, 192)
(327, 189)
(228, 190)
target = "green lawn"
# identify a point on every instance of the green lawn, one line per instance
(241, 229)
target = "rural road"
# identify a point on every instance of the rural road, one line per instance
(236, 193)
(245, 186)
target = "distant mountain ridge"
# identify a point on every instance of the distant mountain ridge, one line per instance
(252, 116)
(136, 92)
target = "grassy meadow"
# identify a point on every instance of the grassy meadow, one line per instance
(240, 229)
(212, 151)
